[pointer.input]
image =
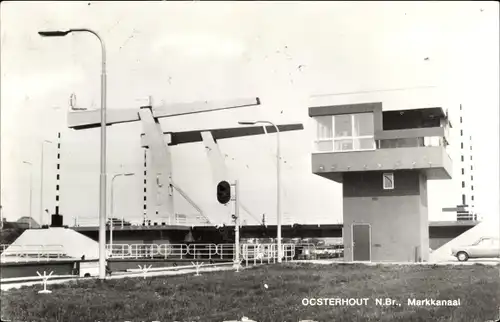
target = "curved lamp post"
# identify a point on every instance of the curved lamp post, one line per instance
(102, 177)
(278, 177)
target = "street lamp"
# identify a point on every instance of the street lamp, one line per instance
(112, 208)
(102, 178)
(31, 192)
(278, 177)
(41, 183)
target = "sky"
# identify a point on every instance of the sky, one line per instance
(284, 53)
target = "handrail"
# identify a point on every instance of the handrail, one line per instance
(249, 252)
(410, 133)
(413, 142)
(178, 220)
(198, 251)
(32, 252)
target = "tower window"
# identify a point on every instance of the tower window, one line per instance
(347, 132)
(463, 171)
(462, 158)
(463, 184)
(461, 145)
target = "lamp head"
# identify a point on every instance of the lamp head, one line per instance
(247, 122)
(54, 33)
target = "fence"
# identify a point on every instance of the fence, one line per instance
(140, 221)
(260, 253)
(248, 252)
(29, 253)
(251, 252)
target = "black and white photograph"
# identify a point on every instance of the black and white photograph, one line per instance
(259, 161)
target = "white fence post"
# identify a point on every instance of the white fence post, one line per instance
(144, 269)
(45, 278)
(197, 266)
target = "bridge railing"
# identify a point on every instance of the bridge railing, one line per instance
(164, 251)
(203, 250)
(226, 251)
(248, 252)
(143, 250)
(267, 252)
(120, 250)
(27, 253)
(178, 250)
(119, 223)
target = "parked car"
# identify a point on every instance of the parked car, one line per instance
(484, 247)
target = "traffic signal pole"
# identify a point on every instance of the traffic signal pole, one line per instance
(225, 196)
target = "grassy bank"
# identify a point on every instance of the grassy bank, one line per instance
(228, 295)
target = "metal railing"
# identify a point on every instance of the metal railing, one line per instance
(411, 142)
(226, 251)
(29, 253)
(466, 216)
(249, 252)
(140, 221)
(260, 253)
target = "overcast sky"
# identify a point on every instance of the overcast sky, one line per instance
(281, 52)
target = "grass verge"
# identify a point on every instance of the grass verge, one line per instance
(229, 295)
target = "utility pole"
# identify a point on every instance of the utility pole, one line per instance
(31, 192)
(41, 184)
(236, 225)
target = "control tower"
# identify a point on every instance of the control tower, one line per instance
(383, 159)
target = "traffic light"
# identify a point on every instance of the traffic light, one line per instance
(223, 192)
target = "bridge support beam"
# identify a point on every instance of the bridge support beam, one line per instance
(160, 173)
